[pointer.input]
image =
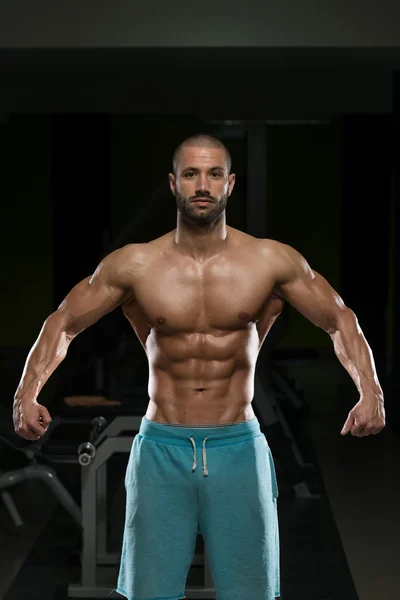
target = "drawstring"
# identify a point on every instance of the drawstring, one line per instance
(205, 471)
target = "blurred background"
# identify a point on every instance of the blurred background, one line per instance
(92, 106)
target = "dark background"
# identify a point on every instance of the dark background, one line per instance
(86, 140)
(257, 23)
(94, 98)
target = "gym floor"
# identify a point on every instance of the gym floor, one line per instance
(342, 547)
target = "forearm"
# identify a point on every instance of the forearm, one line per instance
(46, 354)
(355, 355)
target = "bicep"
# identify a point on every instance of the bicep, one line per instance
(88, 301)
(310, 293)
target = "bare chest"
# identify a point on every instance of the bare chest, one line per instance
(187, 297)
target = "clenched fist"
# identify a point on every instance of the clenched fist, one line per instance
(31, 419)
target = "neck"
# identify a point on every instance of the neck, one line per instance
(201, 241)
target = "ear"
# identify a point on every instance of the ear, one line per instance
(172, 182)
(231, 180)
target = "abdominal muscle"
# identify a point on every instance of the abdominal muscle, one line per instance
(200, 392)
(201, 377)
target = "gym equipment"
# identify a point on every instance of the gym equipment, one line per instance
(266, 404)
(12, 509)
(87, 450)
(107, 441)
(34, 470)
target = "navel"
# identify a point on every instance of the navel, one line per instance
(161, 320)
(244, 316)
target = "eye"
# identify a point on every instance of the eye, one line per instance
(189, 174)
(216, 174)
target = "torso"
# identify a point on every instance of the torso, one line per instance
(202, 326)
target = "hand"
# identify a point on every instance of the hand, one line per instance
(365, 418)
(31, 419)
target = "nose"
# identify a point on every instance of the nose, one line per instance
(202, 183)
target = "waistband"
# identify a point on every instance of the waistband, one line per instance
(217, 435)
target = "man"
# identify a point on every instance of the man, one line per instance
(201, 300)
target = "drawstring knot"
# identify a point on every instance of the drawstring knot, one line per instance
(205, 471)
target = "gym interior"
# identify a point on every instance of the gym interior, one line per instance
(86, 139)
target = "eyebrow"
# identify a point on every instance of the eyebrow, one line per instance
(216, 168)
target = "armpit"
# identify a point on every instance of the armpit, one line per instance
(277, 296)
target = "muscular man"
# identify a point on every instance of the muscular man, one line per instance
(201, 300)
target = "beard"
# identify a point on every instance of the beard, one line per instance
(197, 216)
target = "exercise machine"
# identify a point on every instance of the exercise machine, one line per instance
(106, 440)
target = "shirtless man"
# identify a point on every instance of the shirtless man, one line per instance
(201, 300)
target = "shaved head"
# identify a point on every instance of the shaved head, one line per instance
(200, 140)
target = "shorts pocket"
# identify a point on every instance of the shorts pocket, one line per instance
(275, 490)
(133, 459)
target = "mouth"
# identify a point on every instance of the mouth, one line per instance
(202, 201)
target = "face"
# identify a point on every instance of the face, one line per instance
(201, 173)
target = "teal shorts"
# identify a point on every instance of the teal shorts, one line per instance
(215, 480)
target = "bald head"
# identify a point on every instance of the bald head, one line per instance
(200, 140)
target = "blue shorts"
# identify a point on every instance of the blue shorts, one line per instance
(215, 480)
